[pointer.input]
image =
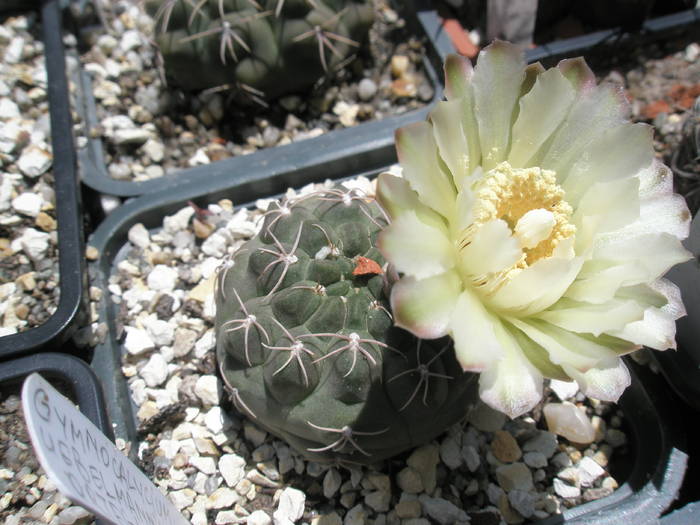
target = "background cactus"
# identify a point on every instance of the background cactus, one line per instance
(686, 160)
(306, 343)
(268, 47)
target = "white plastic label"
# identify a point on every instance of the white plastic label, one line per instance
(86, 466)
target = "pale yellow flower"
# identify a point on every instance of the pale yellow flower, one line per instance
(533, 225)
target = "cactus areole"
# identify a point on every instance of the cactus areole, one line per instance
(267, 48)
(306, 343)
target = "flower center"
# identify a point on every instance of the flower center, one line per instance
(531, 204)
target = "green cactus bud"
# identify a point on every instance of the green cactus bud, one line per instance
(272, 47)
(306, 342)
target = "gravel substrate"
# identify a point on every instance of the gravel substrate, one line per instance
(28, 496)
(28, 243)
(149, 128)
(218, 467)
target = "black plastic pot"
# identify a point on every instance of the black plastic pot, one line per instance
(72, 276)
(652, 29)
(72, 373)
(85, 388)
(682, 367)
(337, 144)
(659, 461)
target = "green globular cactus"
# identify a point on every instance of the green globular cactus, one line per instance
(306, 343)
(268, 47)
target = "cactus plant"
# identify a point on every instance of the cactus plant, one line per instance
(271, 47)
(306, 343)
(686, 159)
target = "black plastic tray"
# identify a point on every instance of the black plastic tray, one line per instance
(659, 460)
(71, 371)
(652, 29)
(335, 144)
(71, 260)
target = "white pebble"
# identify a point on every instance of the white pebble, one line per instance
(232, 468)
(7, 183)
(139, 236)
(130, 40)
(162, 278)
(34, 161)
(258, 517)
(215, 245)
(13, 51)
(137, 341)
(182, 498)
(155, 371)
(122, 137)
(215, 420)
(290, 508)
(154, 149)
(178, 221)
(208, 389)
(8, 109)
(565, 490)
(222, 498)
(564, 389)
(366, 89)
(589, 471)
(567, 420)
(28, 204)
(107, 43)
(161, 332)
(33, 242)
(204, 464)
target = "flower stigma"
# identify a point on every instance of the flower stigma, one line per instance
(532, 205)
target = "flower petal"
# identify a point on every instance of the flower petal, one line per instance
(656, 330)
(424, 307)
(538, 356)
(418, 155)
(512, 385)
(541, 112)
(674, 303)
(592, 318)
(660, 211)
(416, 248)
(499, 72)
(473, 330)
(466, 199)
(600, 284)
(452, 144)
(458, 76)
(591, 114)
(604, 207)
(654, 252)
(618, 153)
(396, 197)
(578, 73)
(470, 128)
(532, 71)
(658, 327)
(492, 248)
(564, 347)
(536, 287)
(605, 382)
